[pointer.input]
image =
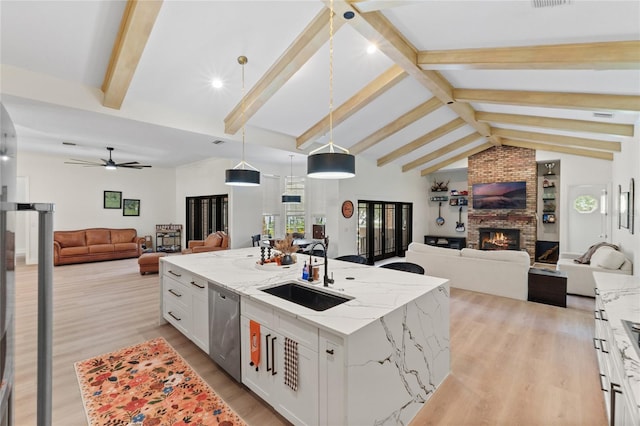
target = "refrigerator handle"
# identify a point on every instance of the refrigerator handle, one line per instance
(45, 307)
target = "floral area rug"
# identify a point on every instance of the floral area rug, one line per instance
(149, 384)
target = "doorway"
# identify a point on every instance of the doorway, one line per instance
(384, 229)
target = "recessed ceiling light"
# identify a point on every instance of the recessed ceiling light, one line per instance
(372, 49)
(216, 83)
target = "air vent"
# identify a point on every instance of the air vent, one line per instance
(549, 3)
(217, 142)
(69, 143)
(603, 114)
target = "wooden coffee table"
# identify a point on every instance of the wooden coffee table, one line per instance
(548, 286)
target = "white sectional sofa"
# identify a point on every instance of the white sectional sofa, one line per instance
(580, 276)
(503, 273)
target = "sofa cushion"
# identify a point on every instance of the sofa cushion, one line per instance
(73, 251)
(213, 240)
(608, 258)
(101, 248)
(516, 256)
(425, 248)
(123, 235)
(225, 240)
(98, 236)
(125, 246)
(70, 238)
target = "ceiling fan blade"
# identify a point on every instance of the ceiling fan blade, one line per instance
(133, 166)
(126, 164)
(83, 162)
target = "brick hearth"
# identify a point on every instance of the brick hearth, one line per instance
(505, 164)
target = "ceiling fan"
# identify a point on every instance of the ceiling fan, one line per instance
(108, 164)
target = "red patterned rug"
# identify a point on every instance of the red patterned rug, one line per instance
(149, 384)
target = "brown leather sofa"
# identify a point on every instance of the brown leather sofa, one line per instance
(219, 240)
(95, 244)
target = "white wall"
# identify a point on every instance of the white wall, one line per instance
(77, 193)
(371, 182)
(627, 166)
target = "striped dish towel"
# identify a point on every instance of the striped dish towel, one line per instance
(291, 363)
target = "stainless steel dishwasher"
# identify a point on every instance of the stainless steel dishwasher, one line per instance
(224, 329)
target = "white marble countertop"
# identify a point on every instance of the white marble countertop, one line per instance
(375, 291)
(620, 295)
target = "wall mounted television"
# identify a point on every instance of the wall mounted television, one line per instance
(499, 195)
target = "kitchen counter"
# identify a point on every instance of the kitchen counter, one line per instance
(376, 291)
(620, 295)
(375, 359)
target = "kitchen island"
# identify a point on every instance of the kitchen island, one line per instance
(375, 359)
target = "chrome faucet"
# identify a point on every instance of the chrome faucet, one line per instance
(324, 245)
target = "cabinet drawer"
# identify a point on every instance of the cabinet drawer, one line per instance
(177, 316)
(198, 286)
(177, 274)
(257, 312)
(176, 292)
(304, 334)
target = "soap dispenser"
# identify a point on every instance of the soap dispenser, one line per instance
(305, 271)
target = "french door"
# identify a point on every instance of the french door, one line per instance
(205, 215)
(384, 229)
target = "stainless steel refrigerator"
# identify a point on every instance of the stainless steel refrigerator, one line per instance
(9, 207)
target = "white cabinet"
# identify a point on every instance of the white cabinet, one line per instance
(614, 384)
(331, 383)
(185, 304)
(299, 406)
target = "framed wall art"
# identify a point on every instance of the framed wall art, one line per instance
(130, 207)
(112, 200)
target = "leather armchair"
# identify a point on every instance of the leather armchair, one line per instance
(219, 240)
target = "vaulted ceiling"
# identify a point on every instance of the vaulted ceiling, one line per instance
(448, 78)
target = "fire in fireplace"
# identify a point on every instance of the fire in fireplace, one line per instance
(499, 239)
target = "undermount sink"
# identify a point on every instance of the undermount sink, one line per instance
(306, 296)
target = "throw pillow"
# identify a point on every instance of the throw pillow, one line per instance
(607, 258)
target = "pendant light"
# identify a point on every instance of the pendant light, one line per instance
(288, 197)
(243, 174)
(331, 164)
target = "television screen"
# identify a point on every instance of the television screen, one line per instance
(499, 195)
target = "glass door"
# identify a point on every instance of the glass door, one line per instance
(384, 229)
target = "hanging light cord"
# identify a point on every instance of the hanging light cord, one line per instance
(331, 145)
(242, 60)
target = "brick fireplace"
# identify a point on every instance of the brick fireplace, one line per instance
(505, 164)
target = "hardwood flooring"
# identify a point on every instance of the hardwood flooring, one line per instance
(512, 362)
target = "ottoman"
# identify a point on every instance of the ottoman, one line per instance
(149, 262)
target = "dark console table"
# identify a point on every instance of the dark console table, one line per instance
(548, 286)
(446, 242)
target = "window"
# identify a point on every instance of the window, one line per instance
(270, 205)
(384, 229)
(295, 212)
(205, 215)
(585, 204)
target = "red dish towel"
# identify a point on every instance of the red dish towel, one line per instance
(291, 363)
(254, 344)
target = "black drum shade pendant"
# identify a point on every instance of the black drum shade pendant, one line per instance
(332, 164)
(242, 177)
(288, 197)
(243, 174)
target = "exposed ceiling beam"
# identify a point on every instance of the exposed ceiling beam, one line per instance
(587, 101)
(421, 141)
(557, 123)
(374, 26)
(371, 5)
(442, 151)
(136, 25)
(460, 156)
(613, 55)
(396, 125)
(555, 148)
(364, 97)
(310, 40)
(557, 139)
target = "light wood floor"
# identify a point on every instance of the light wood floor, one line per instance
(512, 362)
